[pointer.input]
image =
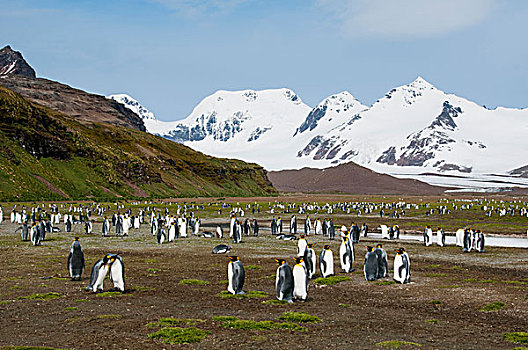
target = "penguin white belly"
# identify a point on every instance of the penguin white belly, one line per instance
(230, 287)
(172, 233)
(314, 262)
(439, 238)
(384, 232)
(116, 275)
(345, 260)
(219, 232)
(277, 273)
(429, 237)
(399, 271)
(300, 288)
(183, 230)
(329, 261)
(459, 238)
(101, 274)
(301, 247)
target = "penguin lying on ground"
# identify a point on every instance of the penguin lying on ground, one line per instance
(221, 249)
(235, 275)
(284, 281)
(75, 262)
(207, 234)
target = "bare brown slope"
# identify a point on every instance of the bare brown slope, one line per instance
(86, 108)
(347, 178)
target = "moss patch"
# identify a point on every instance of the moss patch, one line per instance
(435, 302)
(177, 335)
(385, 283)
(110, 316)
(169, 321)
(193, 282)
(432, 321)
(262, 325)
(250, 294)
(396, 344)
(224, 318)
(433, 266)
(495, 306)
(331, 280)
(435, 275)
(41, 296)
(109, 294)
(252, 267)
(81, 300)
(301, 317)
(70, 308)
(343, 305)
(457, 268)
(516, 337)
(275, 302)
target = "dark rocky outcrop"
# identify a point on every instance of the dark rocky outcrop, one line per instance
(13, 64)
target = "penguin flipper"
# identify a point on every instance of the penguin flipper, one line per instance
(68, 263)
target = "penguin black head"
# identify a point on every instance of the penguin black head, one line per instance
(280, 261)
(400, 250)
(302, 236)
(76, 239)
(378, 245)
(310, 245)
(369, 248)
(233, 258)
(326, 247)
(299, 260)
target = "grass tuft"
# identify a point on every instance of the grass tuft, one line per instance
(516, 337)
(435, 275)
(343, 305)
(457, 268)
(193, 282)
(252, 267)
(81, 300)
(169, 321)
(275, 302)
(495, 306)
(70, 308)
(385, 283)
(433, 266)
(250, 294)
(432, 321)
(109, 294)
(396, 344)
(109, 316)
(41, 296)
(435, 302)
(262, 325)
(331, 280)
(177, 335)
(224, 318)
(301, 317)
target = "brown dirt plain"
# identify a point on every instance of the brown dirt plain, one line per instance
(354, 314)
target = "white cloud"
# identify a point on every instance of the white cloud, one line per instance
(195, 7)
(407, 18)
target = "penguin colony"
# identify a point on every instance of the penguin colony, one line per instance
(291, 284)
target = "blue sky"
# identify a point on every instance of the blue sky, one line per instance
(170, 54)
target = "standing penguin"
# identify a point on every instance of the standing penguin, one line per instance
(99, 271)
(440, 237)
(428, 236)
(106, 227)
(467, 241)
(310, 260)
(25, 231)
(219, 232)
(293, 225)
(383, 263)
(117, 272)
(284, 281)
(371, 265)
(480, 241)
(161, 236)
(301, 245)
(346, 255)
(237, 232)
(326, 262)
(300, 279)
(75, 262)
(459, 238)
(235, 275)
(402, 266)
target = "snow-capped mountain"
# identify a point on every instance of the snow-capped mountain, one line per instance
(414, 128)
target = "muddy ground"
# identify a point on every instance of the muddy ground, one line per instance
(354, 314)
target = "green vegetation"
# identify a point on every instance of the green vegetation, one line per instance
(396, 344)
(495, 306)
(262, 325)
(153, 270)
(343, 305)
(516, 337)
(435, 275)
(385, 283)
(41, 296)
(433, 266)
(457, 268)
(70, 308)
(81, 300)
(51, 156)
(252, 267)
(435, 302)
(109, 316)
(143, 289)
(193, 282)
(109, 294)
(432, 321)
(177, 335)
(5, 302)
(250, 294)
(275, 302)
(169, 321)
(331, 280)
(301, 317)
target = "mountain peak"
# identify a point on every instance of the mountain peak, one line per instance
(421, 83)
(132, 104)
(12, 63)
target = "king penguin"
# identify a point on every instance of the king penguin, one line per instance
(467, 241)
(402, 266)
(99, 271)
(301, 246)
(310, 260)
(480, 242)
(75, 262)
(221, 249)
(371, 264)
(383, 262)
(300, 279)
(235, 275)
(284, 281)
(117, 272)
(326, 262)
(345, 255)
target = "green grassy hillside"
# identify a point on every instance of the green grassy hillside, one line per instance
(45, 155)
